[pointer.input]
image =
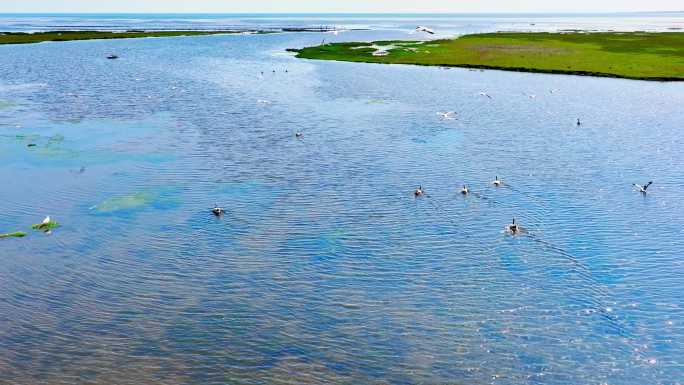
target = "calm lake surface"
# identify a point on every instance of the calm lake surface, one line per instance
(325, 268)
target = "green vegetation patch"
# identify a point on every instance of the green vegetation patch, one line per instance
(634, 55)
(37, 37)
(46, 226)
(18, 234)
(128, 202)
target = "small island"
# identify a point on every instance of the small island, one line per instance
(38, 37)
(633, 55)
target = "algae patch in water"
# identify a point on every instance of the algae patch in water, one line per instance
(17, 234)
(128, 202)
(46, 226)
(6, 104)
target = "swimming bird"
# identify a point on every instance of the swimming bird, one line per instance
(465, 190)
(112, 57)
(299, 135)
(419, 192)
(513, 228)
(497, 182)
(218, 211)
(642, 189)
(424, 29)
(449, 115)
(579, 123)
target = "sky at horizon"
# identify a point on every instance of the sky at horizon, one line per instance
(348, 6)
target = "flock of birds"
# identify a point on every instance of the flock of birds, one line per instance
(513, 228)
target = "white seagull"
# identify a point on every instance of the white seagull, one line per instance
(642, 189)
(450, 115)
(46, 221)
(465, 190)
(485, 94)
(497, 182)
(420, 28)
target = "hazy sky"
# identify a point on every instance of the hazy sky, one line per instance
(229, 6)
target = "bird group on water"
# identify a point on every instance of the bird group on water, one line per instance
(513, 228)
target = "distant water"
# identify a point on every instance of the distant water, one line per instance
(325, 268)
(444, 23)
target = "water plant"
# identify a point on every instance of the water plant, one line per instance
(16, 234)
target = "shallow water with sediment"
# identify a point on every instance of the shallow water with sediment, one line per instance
(325, 269)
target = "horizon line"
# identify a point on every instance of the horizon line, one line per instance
(341, 13)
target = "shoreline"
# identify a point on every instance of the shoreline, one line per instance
(649, 56)
(12, 38)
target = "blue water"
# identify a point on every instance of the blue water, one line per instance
(325, 268)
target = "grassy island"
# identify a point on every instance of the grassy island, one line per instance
(633, 55)
(37, 37)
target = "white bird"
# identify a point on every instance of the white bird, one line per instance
(299, 135)
(497, 182)
(450, 115)
(263, 101)
(46, 221)
(485, 94)
(644, 188)
(465, 190)
(419, 192)
(420, 28)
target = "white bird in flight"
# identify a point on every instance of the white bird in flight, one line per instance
(485, 94)
(450, 115)
(420, 28)
(644, 188)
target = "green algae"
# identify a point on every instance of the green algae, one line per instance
(46, 226)
(17, 234)
(6, 104)
(128, 202)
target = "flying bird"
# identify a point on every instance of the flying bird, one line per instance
(644, 188)
(420, 28)
(450, 115)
